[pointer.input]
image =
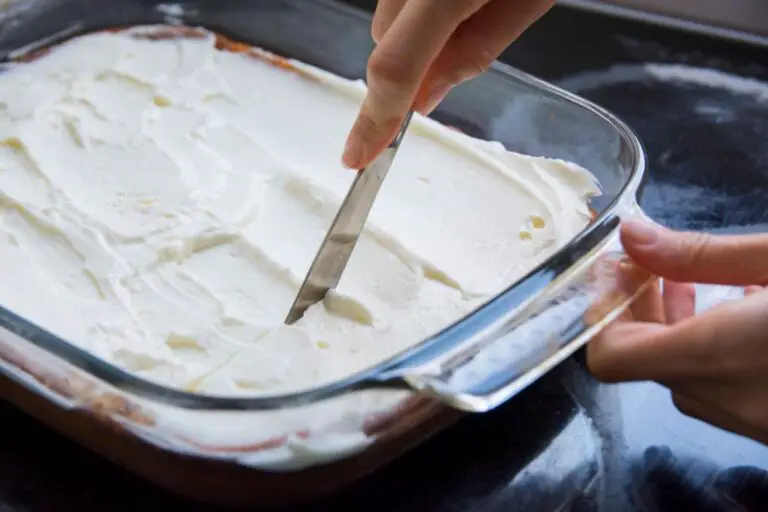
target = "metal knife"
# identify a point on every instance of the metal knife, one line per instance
(340, 241)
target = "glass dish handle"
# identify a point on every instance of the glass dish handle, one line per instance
(534, 338)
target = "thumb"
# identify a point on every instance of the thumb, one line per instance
(697, 257)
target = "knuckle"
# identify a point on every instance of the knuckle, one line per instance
(389, 71)
(695, 246)
(368, 125)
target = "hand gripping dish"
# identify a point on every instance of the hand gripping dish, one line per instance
(208, 446)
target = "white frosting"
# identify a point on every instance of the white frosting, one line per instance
(161, 202)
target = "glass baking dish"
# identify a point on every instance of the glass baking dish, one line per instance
(207, 446)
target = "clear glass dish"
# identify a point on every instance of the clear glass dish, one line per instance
(473, 365)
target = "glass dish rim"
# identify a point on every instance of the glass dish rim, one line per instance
(590, 237)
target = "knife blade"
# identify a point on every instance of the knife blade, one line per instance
(340, 240)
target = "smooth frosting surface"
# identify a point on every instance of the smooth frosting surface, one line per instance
(162, 200)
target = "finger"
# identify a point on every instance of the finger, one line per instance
(714, 415)
(475, 45)
(679, 301)
(606, 357)
(751, 290)
(648, 307)
(386, 12)
(396, 69)
(614, 281)
(700, 411)
(697, 257)
(726, 339)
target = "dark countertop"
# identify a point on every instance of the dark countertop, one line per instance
(566, 443)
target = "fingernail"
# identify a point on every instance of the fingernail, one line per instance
(353, 152)
(640, 233)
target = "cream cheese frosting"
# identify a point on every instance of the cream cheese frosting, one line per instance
(162, 200)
